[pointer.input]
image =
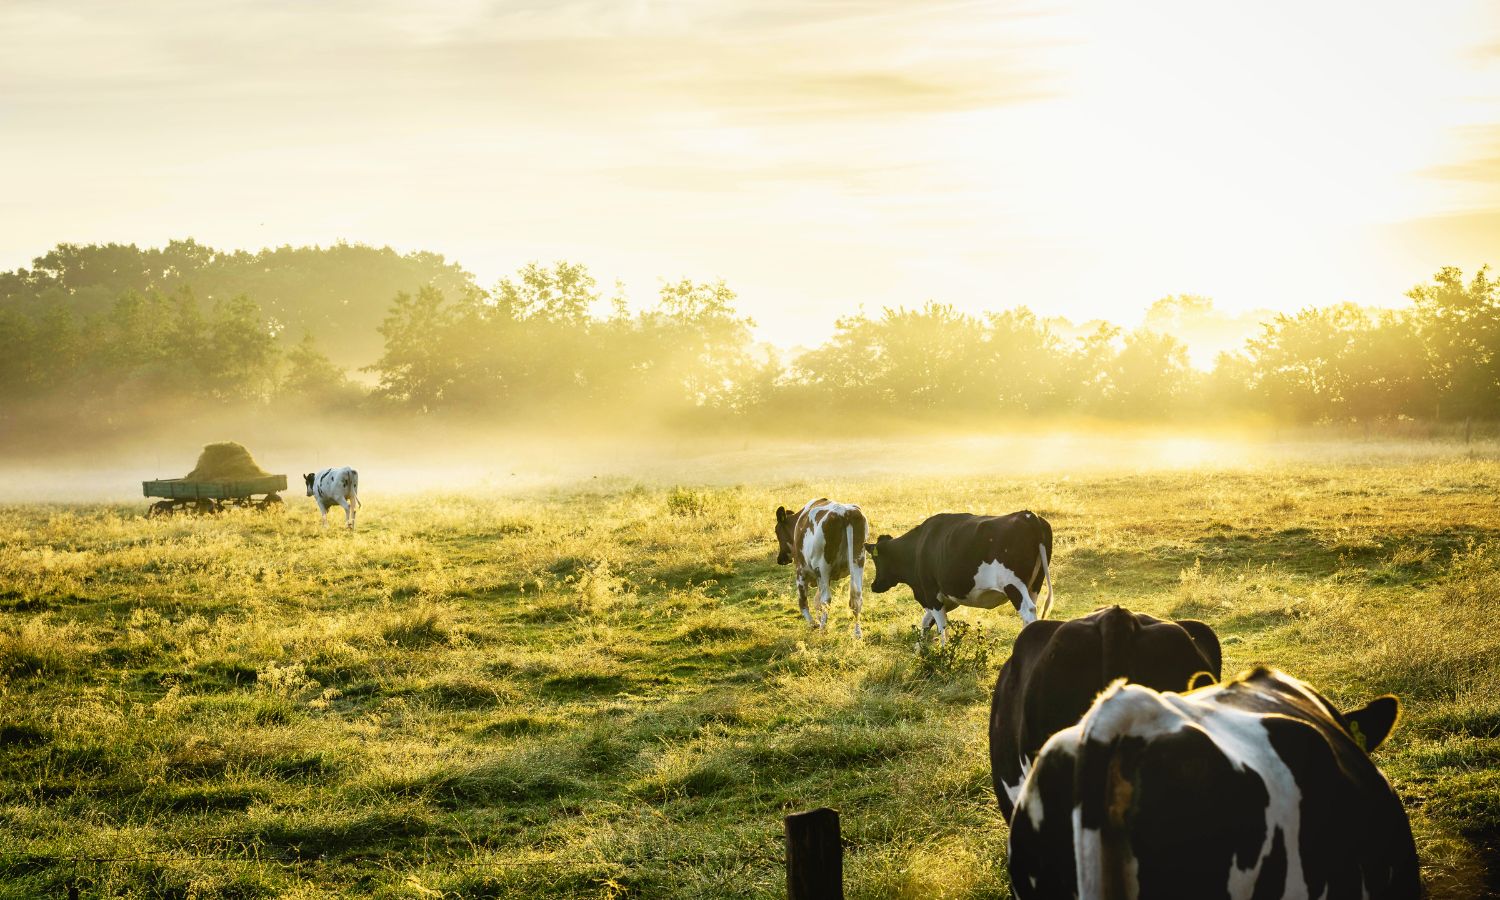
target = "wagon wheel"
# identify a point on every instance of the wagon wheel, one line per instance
(159, 508)
(269, 502)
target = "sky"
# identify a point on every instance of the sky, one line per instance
(1083, 159)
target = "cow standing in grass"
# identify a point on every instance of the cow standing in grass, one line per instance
(825, 540)
(1056, 669)
(1257, 788)
(960, 559)
(335, 486)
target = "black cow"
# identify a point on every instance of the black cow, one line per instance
(1057, 669)
(1257, 787)
(959, 559)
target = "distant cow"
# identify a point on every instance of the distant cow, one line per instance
(330, 486)
(1253, 788)
(1056, 669)
(958, 559)
(825, 540)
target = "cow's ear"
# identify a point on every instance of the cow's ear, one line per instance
(1372, 723)
(871, 551)
(781, 514)
(1202, 680)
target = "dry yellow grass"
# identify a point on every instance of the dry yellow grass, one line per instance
(607, 691)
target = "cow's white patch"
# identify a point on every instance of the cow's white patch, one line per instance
(1028, 797)
(990, 582)
(1013, 791)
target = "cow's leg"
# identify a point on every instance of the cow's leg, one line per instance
(353, 505)
(856, 594)
(323, 511)
(348, 513)
(926, 624)
(802, 594)
(941, 619)
(825, 594)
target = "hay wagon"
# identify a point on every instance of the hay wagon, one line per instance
(199, 497)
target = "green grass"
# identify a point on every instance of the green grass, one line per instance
(608, 692)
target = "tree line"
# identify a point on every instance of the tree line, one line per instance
(114, 326)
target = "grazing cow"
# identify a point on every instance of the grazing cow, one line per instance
(958, 559)
(1056, 669)
(825, 540)
(332, 486)
(1253, 788)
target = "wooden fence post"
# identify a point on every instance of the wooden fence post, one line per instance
(814, 856)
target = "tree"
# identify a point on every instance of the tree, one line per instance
(312, 378)
(1150, 375)
(417, 367)
(1459, 327)
(244, 351)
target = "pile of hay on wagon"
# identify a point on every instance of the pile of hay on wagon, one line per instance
(226, 475)
(225, 461)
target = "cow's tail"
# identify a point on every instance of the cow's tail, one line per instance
(354, 488)
(1117, 633)
(1046, 573)
(1107, 768)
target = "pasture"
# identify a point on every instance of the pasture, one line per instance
(606, 690)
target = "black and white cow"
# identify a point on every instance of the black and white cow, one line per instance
(1257, 787)
(959, 559)
(1056, 669)
(825, 540)
(335, 486)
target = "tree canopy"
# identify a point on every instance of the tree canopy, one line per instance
(351, 326)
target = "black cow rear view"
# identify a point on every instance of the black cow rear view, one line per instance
(960, 559)
(1256, 788)
(1056, 669)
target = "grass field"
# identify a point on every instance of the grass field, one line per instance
(607, 691)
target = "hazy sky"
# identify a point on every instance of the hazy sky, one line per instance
(1080, 158)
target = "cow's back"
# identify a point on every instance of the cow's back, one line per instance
(951, 546)
(838, 531)
(1056, 669)
(1230, 792)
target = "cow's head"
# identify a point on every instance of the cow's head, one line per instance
(786, 522)
(886, 572)
(309, 479)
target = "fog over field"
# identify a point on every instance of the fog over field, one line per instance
(432, 458)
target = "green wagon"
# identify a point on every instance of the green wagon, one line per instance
(182, 495)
